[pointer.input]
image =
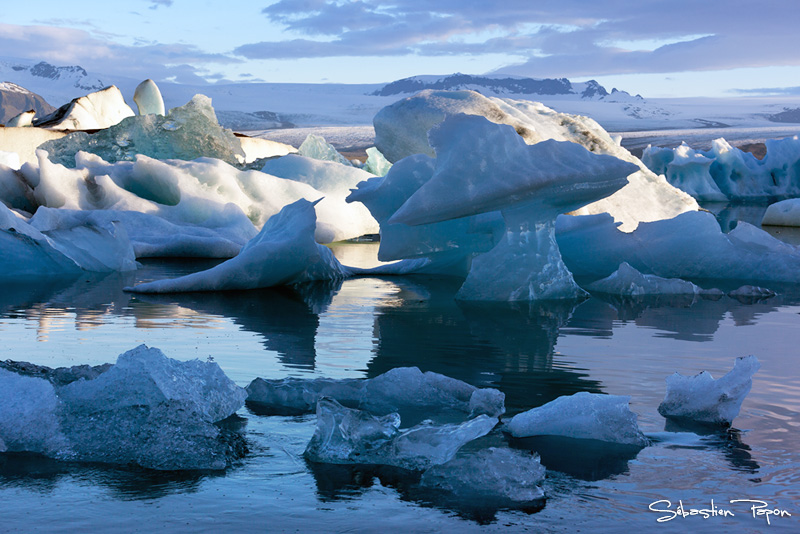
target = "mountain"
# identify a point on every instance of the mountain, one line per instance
(15, 99)
(57, 85)
(493, 86)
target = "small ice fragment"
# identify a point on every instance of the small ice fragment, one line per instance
(499, 476)
(348, 436)
(630, 282)
(582, 415)
(703, 399)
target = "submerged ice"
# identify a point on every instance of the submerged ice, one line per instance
(703, 399)
(147, 410)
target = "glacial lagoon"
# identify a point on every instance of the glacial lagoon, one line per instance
(363, 327)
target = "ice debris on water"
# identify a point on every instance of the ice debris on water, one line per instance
(703, 399)
(582, 415)
(348, 436)
(493, 476)
(146, 410)
(284, 252)
(399, 390)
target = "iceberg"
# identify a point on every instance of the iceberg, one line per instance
(483, 167)
(283, 253)
(628, 281)
(22, 120)
(348, 436)
(582, 415)
(495, 476)
(702, 399)
(187, 132)
(725, 173)
(70, 248)
(315, 147)
(403, 390)
(401, 130)
(376, 163)
(689, 246)
(783, 213)
(147, 410)
(95, 111)
(9, 160)
(148, 99)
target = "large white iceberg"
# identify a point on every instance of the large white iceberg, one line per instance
(401, 390)
(783, 213)
(726, 173)
(703, 399)
(94, 111)
(347, 436)
(146, 410)
(402, 130)
(582, 415)
(283, 253)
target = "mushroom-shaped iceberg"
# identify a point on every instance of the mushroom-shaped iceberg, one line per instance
(482, 167)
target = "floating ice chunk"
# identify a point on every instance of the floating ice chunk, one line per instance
(256, 148)
(146, 410)
(94, 111)
(751, 293)
(315, 147)
(582, 415)
(28, 415)
(493, 476)
(691, 245)
(145, 376)
(151, 411)
(376, 163)
(148, 98)
(283, 253)
(25, 141)
(347, 436)
(187, 132)
(702, 399)
(628, 281)
(783, 213)
(401, 390)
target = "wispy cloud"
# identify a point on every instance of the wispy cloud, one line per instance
(70, 46)
(547, 37)
(155, 4)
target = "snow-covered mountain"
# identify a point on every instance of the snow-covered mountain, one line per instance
(15, 99)
(57, 85)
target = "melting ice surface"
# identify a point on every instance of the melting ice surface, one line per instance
(703, 399)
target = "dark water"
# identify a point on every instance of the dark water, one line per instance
(366, 326)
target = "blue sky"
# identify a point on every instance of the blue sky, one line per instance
(658, 48)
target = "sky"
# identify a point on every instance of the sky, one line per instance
(657, 48)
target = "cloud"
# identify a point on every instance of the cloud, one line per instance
(545, 37)
(69, 46)
(155, 4)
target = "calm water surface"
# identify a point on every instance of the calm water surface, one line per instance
(364, 327)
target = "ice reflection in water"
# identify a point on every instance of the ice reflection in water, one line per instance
(362, 328)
